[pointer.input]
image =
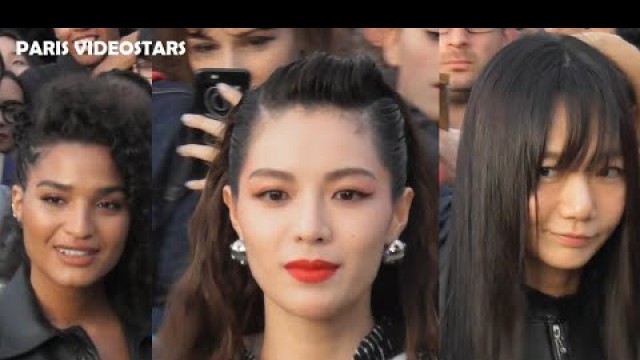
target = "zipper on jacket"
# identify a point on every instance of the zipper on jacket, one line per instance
(559, 345)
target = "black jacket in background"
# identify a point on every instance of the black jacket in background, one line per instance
(25, 334)
(173, 203)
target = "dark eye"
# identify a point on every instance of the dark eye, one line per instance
(110, 205)
(274, 195)
(611, 172)
(53, 200)
(547, 172)
(204, 47)
(350, 195)
(259, 40)
(432, 35)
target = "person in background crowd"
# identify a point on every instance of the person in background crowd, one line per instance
(463, 54)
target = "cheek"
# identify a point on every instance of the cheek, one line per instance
(533, 209)
(115, 232)
(611, 206)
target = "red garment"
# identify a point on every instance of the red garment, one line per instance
(157, 75)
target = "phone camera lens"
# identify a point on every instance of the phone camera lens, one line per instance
(214, 102)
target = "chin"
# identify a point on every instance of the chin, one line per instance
(312, 308)
(574, 262)
(74, 279)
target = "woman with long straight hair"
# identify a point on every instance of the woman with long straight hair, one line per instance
(544, 254)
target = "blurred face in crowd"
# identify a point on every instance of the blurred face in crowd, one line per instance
(315, 211)
(414, 53)
(75, 226)
(570, 31)
(577, 210)
(258, 50)
(12, 62)
(465, 51)
(79, 35)
(11, 104)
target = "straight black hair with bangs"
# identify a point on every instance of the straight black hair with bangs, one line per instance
(510, 112)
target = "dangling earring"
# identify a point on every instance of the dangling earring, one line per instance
(394, 252)
(239, 252)
(13, 211)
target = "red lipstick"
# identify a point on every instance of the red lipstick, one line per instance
(311, 271)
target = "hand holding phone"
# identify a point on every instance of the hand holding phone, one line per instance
(208, 101)
(211, 105)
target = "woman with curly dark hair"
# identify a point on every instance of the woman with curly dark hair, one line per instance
(82, 200)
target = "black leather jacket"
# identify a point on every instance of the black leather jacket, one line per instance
(561, 328)
(25, 334)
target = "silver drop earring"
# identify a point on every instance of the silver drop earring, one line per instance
(394, 253)
(239, 252)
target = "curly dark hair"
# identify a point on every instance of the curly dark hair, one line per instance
(78, 108)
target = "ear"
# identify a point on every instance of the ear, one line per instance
(230, 201)
(391, 46)
(400, 214)
(17, 196)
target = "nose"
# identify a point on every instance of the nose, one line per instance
(311, 223)
(457, 37)
(577, 200)
(79, 221)
(229, 58)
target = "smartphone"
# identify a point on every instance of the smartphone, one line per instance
(207, 100)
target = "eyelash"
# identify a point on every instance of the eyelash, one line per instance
(354, 195)
(111, 206)
(601, 172)
(259, 40)
(359, 195)
(204, 47)
(53, 200)
(618, 171)
(433, 35)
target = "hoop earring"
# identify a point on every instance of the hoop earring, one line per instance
(394, 253)
(239, 252)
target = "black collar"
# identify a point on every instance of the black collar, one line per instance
(24, 328)
(383, 342)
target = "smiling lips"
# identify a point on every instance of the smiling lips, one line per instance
(77, 257)
(573, 240)
(311, 271)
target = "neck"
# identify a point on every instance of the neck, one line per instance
(456, 115)
(288, 336)
(66, 306)
(551, 281)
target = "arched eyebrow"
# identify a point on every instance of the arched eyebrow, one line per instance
(66, 187)
(331, 176)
